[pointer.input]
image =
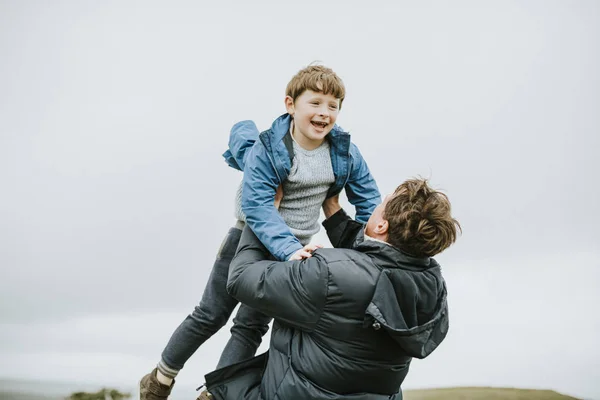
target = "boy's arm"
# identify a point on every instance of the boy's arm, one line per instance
(258, 195)
(292, 292)
(361, 188)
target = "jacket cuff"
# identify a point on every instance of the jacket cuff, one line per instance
(287, 253)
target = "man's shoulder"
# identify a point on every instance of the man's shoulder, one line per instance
(339, 254)
(351, 277)
(347, 262)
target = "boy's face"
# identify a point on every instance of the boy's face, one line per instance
(314, 115)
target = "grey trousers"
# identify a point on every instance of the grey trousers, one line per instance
(212, 314)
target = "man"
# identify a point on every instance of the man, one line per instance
(348, 321)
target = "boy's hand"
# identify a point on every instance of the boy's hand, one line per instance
(278, 196)
(305, 252)
(331, 205)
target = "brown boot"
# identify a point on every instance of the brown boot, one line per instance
(151, 389)
(205, 396)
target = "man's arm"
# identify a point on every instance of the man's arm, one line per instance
(292, 292)
(258, 195)
(331, 206)
(341, 229)
(361, 188)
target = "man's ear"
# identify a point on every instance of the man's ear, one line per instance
(289, 105)
(382, 227)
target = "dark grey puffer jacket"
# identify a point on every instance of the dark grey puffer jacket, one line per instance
(347, 321)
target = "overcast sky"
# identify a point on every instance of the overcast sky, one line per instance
(114, 197)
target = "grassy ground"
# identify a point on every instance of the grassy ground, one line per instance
(484, 393)
(7, 395)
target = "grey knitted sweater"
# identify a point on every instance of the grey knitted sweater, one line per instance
(304, 191)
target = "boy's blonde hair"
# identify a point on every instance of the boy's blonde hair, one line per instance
(317, 78)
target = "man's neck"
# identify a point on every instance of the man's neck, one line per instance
(380, 239)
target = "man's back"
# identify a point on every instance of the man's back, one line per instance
(347, 322)
(349, 351)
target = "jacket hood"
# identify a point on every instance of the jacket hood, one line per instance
(242, 137)
(409, 301)
(244, 134)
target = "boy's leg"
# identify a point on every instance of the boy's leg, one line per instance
(249, 326)
(208, 317)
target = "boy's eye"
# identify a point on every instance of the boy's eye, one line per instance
(333, 107)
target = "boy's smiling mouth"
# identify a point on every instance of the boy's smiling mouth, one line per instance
(319, 124)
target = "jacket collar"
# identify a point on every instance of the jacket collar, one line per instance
(390, 256)
(277, 142)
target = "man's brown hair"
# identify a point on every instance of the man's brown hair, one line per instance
(419, 219)
(317, 78)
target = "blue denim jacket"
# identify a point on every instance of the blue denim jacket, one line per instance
(266, 162)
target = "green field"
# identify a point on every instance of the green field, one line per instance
(484, 393)
(6, 395)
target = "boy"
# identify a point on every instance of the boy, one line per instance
(312, 159)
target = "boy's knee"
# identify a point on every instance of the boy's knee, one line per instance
(216, 318)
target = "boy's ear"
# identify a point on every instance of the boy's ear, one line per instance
(289, 105)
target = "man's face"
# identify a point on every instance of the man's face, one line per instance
(314, 114)
(377, 222)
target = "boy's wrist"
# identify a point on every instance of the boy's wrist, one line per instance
(290, 251)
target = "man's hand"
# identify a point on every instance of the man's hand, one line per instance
(305, 252)
(331, 205)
